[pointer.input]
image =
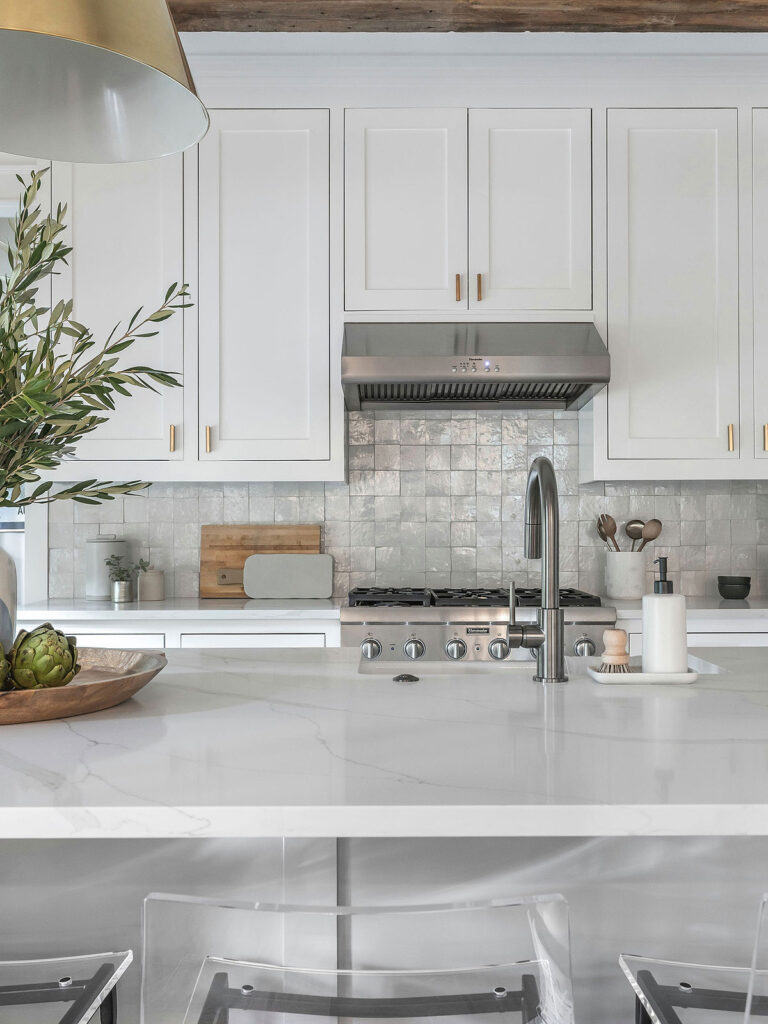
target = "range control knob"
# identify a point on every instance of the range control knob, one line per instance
(414, 649)
(498, 649)
(584, 647)
(371, 648)
(456, 649)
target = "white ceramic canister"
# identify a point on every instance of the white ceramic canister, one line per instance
(98, 586)
(152, 585)
(625, 574)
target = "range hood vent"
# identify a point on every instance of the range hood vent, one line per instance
(472, 366)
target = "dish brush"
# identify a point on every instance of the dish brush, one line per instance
(615, 657)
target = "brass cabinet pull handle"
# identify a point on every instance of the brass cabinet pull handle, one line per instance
(172, 442)
(479, 287)
(730, 437)
(765, 437)
(458, 287)
(207, 439)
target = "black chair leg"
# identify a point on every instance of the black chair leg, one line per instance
(641, 1014)
(108, 1010)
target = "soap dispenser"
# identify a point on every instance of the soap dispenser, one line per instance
(665, 639)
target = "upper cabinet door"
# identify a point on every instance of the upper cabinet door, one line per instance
(126, 228)
(264, 265)
(673, 311)
(530, 209)
(760, 276)
(406, 209)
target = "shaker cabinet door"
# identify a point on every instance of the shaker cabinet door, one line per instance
(673, 310)
(759, 277)
(530, 209)
(263, 292)
(406, 209)
(125, 223)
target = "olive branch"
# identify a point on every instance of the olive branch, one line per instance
(56, 383)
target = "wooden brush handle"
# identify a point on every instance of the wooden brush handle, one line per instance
(615, 641)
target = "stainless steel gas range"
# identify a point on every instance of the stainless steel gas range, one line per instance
(404, 624)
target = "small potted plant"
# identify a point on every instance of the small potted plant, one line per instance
(122, 576)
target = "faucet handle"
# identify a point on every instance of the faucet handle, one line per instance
(514, 632)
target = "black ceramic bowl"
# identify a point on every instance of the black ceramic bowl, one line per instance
(734, 588)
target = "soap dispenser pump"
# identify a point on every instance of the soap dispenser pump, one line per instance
(665, 639)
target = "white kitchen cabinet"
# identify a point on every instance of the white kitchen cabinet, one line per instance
(123, 641)
(406, 209)
(263, 291)
(204, 641)
(125, 223)
(708, 639)
(673, 303)
(530, 209)
(759, 278)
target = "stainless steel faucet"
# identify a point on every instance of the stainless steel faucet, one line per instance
(542, 540)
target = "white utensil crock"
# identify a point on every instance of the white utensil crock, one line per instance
(625, 574)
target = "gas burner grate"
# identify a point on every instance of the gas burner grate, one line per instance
(473, 597)
(460, 597)
(389, 597)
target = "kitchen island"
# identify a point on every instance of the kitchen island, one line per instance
(291, 776)
(303, 743)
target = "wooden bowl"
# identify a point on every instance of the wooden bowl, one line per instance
(107, 678)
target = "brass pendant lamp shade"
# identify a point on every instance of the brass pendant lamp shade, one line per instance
(95, 81)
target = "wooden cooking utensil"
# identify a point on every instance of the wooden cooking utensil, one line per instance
(634, 530)
(607, 524)
(651, 531)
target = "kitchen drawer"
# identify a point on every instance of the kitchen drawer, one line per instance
(252, 640)
(128, 641)
(728, 639)
(708, 640)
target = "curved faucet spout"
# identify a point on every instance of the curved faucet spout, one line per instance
(542, 540)
(542, 528)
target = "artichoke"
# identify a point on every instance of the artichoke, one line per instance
(5, 672)
(43, 658)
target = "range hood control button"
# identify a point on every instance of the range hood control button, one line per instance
(414, 649)
(371, 649)
(456, 649)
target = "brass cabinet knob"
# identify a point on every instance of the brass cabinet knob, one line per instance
(207, 439)
(458, 287)
(479, 287)
(172, 439)
(731, 446)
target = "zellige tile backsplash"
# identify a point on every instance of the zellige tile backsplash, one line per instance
(436, 499)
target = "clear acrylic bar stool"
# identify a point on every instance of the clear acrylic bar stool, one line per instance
(668, 992)
(210, 962)
(68, 990)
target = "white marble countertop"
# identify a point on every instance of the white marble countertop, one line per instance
(177, 608)
(699, 609)
(299, 743)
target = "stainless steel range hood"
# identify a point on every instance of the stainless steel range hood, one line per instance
(472, 366)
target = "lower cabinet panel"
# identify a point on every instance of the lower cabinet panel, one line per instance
(128, 641)
(252, 640)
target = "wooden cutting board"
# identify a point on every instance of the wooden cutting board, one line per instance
(227, 547)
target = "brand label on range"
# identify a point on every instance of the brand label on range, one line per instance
(478, 630)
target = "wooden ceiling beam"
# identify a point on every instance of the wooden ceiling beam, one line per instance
(471, 15)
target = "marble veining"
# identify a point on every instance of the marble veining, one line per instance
(299, 742)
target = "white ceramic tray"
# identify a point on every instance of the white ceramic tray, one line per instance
(642, 677)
